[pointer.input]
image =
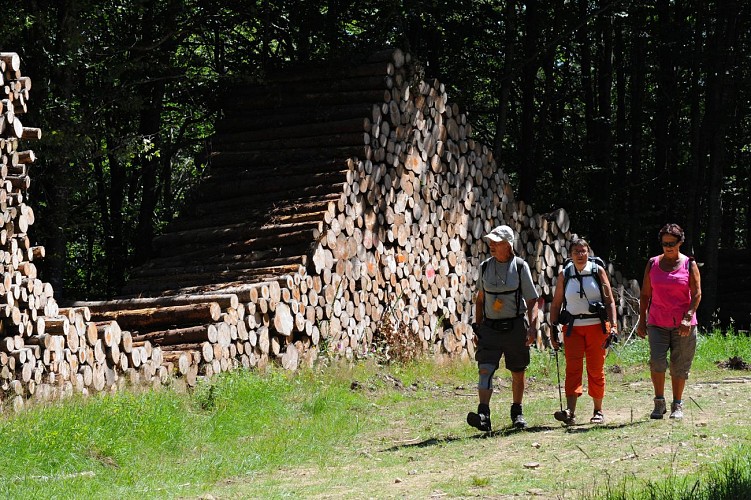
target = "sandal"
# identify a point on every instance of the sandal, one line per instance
(597, 418)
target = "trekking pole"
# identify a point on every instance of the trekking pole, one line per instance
(558, 371)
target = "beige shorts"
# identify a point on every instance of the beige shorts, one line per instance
(682, 350)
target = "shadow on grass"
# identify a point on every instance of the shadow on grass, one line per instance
(506, 431)
(582, 428)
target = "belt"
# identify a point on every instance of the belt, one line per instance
(496, 323)
(585, 316)
(574, 317)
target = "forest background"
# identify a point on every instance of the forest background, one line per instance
(628, 114)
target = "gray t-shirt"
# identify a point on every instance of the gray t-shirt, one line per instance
(500, 282)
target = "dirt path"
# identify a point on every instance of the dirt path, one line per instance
(425, 450)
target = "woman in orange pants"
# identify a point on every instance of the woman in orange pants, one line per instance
(583, 303)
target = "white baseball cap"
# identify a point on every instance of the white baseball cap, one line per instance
(501, 233)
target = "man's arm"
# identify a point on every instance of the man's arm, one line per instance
(479, 307)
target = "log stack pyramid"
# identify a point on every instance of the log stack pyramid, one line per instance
(339, 199)
(47, 351)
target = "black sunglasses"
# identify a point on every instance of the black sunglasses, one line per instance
(670, 244)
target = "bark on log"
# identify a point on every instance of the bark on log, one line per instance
(161, 316)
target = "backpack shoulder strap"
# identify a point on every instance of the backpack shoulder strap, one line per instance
(519, 265)
(596, 276)
(568, 273)
(483, 267)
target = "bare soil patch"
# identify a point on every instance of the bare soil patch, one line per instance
(419, 446)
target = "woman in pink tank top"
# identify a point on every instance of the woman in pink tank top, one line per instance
(670, 294)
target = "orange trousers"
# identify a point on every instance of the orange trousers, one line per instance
(585, 342)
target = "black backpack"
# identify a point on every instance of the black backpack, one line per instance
(517, 292)
(569, 272)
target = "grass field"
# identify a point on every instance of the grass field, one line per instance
(370, 431)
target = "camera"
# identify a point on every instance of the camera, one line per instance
(564, 318)
(599, 309)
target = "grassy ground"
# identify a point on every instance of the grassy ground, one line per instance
(365, 431)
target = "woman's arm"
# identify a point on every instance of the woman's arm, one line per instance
(694, 281)
(608, 299)
(557, 303)
(555, 310)
(644, 299)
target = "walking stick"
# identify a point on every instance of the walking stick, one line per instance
(558, 371)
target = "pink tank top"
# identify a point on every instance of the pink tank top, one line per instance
(671, 294)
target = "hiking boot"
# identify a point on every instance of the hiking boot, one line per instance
(517, 417)
(518, 421)
(479, 421)
(676, 410)
(566, 416)
(659, 410)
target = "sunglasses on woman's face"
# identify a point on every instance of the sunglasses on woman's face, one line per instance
(670, 244)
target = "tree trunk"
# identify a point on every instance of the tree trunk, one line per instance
(721, 97)
(527, 167)
(620, 177)
(58, 172)
(603, 153)
(506, 78)
(149, 128)
(152, 96)
(694, 188)
(638, 52)
(582, 38)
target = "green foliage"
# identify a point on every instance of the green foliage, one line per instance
(617, 99)
(158, 443)
(729, 480)
(257, 433)
(720, 346)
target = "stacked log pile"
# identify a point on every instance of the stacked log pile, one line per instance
(46, 351)
(339, 200)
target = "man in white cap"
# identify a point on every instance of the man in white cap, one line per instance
(506, 292)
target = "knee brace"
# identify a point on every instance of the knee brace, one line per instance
(486, 371)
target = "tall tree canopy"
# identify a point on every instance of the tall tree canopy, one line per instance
(629, 114)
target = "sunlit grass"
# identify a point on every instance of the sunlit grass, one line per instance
(165, 444)
(729, 480)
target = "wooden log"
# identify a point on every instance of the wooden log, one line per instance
(233, 264)
(229, 159)
(31, 133)
(184, 283)
(311, 208)
(11, 61)
(231, 233)
(156, 316)
(188, 335)
(278, 89)
(290, 358)
(224, 301)
(316, 100)
(242, 121)
(57, 326)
